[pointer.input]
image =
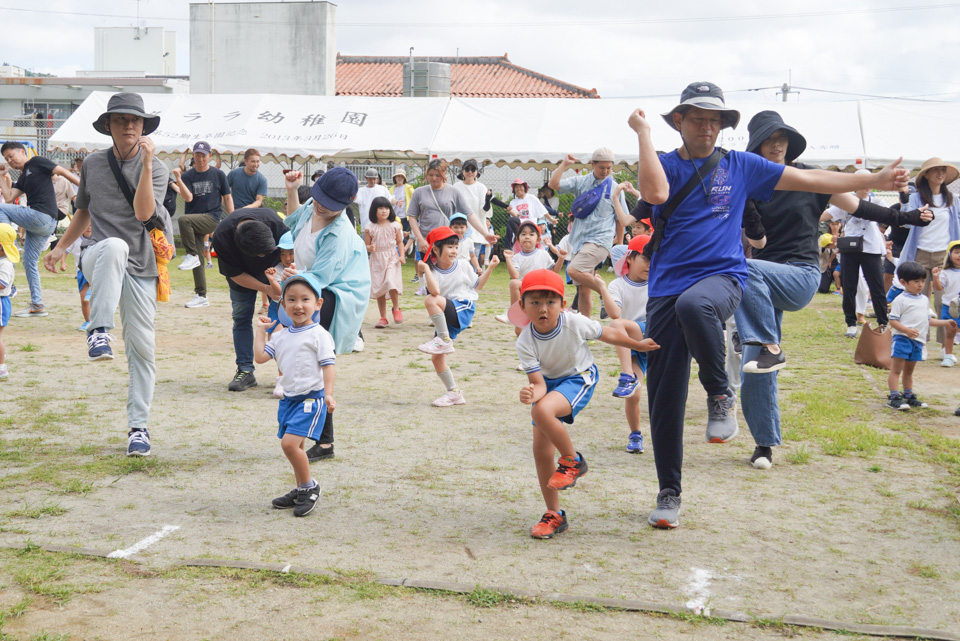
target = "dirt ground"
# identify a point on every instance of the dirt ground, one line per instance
(868, 536)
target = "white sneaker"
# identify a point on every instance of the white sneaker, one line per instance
(436, 345)
(420, 292)
(851, 332)
(502, 318)
(949, 360)
(3, 372)
(198, 301)
(451, 398)
(278, 390)
(358, 345)
(521, 368)
(189, 262)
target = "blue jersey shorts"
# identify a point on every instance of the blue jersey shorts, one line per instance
(6, 307)
(893, 293)
(459, 315)
(302, 415)
(81, 281)
(641, 356)
(945, 313)
(577, 389)
(906, 348)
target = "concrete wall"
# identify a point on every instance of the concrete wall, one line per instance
(263, 47)
(126, 48)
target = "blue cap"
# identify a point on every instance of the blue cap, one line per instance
(201, 147)
(458, 216)
(286, 241)
(305, 277)
(335, 189)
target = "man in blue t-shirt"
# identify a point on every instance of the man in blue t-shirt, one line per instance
(202, 188)
(698, 272)
(247, 185)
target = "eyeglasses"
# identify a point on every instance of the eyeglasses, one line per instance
(469, 169)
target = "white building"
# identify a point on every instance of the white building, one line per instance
(147, 50)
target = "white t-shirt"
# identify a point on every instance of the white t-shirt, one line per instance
(527, 262)
(365, 196)
(528, 208)
(936, 236)
(950, 279)
(561, 352)
(305, 248)
(913, 311)
(6, 275)
(476, 195)
(564, 244)
(300, 353)
(466, 248)
(873, 242)
(631, 297)
(458, 282)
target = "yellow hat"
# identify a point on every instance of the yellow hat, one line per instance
(7, 238)
(826, 239)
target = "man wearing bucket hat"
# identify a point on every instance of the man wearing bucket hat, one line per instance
(121, 188)
(591, 237)
(695, 286)
(38, 218)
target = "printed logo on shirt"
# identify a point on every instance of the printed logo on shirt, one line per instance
(720, 194)
(202, 188)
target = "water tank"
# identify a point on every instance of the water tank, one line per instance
(426, 79)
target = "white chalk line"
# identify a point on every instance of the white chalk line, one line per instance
(699, 589)
(139, 546)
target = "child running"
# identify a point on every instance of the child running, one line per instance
(947, 280)
(9, 254)
(384, 240)
(909, 322)
(629, 304)
(305, 353)
(561, 377)
(451, 302)
(531, 256)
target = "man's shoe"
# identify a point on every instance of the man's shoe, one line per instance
(765, 362)
(914, 402)
(306, 500)
(98, 345)
(895, 402)
(318, 453)
(241, 381)
(550, 523)
(450, 398)
(34, 311)
(436, 345)
(189, 262)
(667, 514)
(762, 458)
(851, 332)
(737, 345)
(568, 471)
(138, 443)
(722, 424)
(358, 344)
(198, 301)
(635, 443)
(627, 386)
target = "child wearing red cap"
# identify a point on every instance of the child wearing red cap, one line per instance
(452, 287)
(530, 257)
(561, 377)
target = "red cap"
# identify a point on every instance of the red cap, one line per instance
(537, 280)
(637, 243)
(646, 221)
(435, 236)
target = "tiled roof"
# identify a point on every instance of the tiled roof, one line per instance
(483, 77)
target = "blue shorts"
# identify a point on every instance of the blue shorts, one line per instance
(5, 309)
(945, 313)
(81, 281)
(302, 415)
(577, 389)
(906, 348)
(641, 356)
(893, 293)
(458, 314)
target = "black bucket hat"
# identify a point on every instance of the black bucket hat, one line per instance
(127, 103)
(704, 95)
(764, 124)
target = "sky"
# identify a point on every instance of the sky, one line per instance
(826, 49)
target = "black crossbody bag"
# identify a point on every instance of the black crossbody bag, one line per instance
(680, 196)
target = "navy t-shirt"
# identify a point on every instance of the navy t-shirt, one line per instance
(207, 189)
(36, 182)
(234, 262)
(702, 237)
(245, 187)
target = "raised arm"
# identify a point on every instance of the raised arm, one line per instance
(890, 178)
(144, 203)
(557, 175)
(485, 276)
(651, 179)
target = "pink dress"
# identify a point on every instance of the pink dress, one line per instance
(385, 271)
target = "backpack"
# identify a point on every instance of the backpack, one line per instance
(584, 204)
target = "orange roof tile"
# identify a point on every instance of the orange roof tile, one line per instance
(478, 77)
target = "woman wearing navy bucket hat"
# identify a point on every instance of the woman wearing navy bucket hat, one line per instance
(784, 274)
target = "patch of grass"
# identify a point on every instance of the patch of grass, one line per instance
(16, 610)
(29, 347)
(875, 468)
(695, 619)
(580, 606)
(924, 571)
(77, 486)
(800, 456)
(39, 511)
(43, 635)
(483, 598)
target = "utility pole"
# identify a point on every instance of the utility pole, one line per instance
(785, 88)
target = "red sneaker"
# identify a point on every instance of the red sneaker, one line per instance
(398, 316)
(551, 523)
(381, 323)
(568, 471)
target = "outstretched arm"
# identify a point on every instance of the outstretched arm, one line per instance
(890, 178)
(618, 337)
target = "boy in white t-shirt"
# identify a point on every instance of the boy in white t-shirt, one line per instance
(561, 377)
(9, 254)
(305, 355)
(530, 257)
(466, 251)
(909, 322)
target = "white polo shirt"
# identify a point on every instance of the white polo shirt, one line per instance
(561, 352)
(300, 353)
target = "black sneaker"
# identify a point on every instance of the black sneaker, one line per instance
(241, 381)
(286, 501)
(737, 345)
(914, 402)
(765, 362)
(306, 500)
(317, 453)
(895, 401)
(762, 458)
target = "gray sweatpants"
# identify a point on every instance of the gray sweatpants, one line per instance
(104, 265)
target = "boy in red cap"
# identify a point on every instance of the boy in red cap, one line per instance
(561, 376)
(451, 301)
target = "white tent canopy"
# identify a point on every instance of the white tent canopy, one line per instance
(528, 132)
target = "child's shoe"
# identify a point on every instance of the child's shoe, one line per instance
(851, 332)
(278, 390)
(422, 291)
(550, 523)
(451, 398)
(568, 471)
(397, 317)
(306, 500)
(627, 386)
(84, 326)
(635, 443)
(502, 318)
(437, 345)
(914, 402)
(138, 443)
(209, 264)
(3, 372)
(895, 402)
(98, 345)
(287, 501)
(949, 360)
(383, 322)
